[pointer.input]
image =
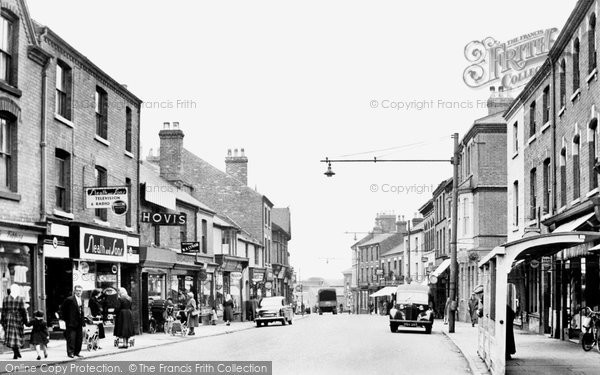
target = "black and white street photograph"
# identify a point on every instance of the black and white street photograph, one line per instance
(299, 187)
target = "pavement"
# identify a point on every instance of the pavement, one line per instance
(57, 352)
(536, 354)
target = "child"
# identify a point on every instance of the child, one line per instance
(39, 333)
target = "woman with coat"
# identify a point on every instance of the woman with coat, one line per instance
(96, 311)
(14, 317)
(228, 307)
(510, 334)
(473, 309)
(124, 319)
(192, 314)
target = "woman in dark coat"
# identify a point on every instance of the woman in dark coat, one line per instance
(510, 335)
(14, 316)
(96, 311)
(124, 319)
(228, 309)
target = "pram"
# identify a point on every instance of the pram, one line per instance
(91, 333)
(120, 341)
(159, 312)
(178, 326)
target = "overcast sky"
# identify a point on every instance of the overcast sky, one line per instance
(293, 82)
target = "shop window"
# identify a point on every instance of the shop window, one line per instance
(156, 286)
(16, 268)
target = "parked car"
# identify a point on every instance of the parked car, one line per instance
(412, 308)
(273, 309)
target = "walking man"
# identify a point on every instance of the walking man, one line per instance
(72, 313)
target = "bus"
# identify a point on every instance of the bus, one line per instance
(327, 301)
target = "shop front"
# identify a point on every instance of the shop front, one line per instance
(58, 268)
(230, 277)
(105, 260)
(18, 262)
(156, 264)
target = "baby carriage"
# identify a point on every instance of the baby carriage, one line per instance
(159, 312)
(120, 341)
(179, 326)
(91, 334)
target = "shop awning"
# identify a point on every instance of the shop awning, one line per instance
(388, 290)
(595, 248)
(573, 224)
(441, 268)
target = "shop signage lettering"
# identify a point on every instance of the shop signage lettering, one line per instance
(235, 276)
(160, 218)
(105, 197)
(14, 236)
(101, 245)
(190, 247)
(258, 276)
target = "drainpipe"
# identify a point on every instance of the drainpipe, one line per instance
(43, 140)
(554, 297)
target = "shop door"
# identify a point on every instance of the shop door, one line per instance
(59, 284)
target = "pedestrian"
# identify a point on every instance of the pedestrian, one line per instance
(510, 335)
(39, 334)
(447, 310)
(341, 308)
(72, 313)
(96, 310)
(473, 307)
(371, 307)
(385, 308)
(124, 319)
(193, 314)
(228, 306)
(14, 316)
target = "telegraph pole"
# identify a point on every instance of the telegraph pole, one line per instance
(453, 258)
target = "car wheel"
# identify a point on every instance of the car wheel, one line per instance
(258, 324)
(428, 329)
(283, 321)
(290, 322)
(393, 327)
(334, 312)
(320, 313)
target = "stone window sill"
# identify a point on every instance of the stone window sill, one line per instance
(65, 121)
(546, 126)
(62, 213)
(592, 75)
(575, 95)
(102, 140)
(10, 89)
(129, 154)
(9, 195)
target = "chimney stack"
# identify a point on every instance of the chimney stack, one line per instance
(236, 165)
(498, 102)
(171, 150)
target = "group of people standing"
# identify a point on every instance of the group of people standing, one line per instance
(14, 318)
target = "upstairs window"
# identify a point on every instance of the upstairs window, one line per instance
(592, 44)
(128, 130)
(101, 105)
(546, 105)
(532, 194)
(101, 180)
(592, 159)
(516, 203)
(576, 68)
(563, 177)
(576, 168)
(563, 83)
(8, 152)
(62, 165)
(63, 90)
(532, 119)
(8, 48)
(516, 137)
(129, 208)
(546, 192)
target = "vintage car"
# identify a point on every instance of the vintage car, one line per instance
(412, 308)
(273, 309)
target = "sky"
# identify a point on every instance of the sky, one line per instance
(293, 82)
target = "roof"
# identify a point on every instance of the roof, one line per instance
(396, 249)
(495, 118)
(149, 174)
(282, 217)
(377, 238)
(223, 221)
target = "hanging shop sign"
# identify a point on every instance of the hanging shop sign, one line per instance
(107, 197)
(190, 247)
(235, 276)
(268, 285)
(258, 275)
(161, 218)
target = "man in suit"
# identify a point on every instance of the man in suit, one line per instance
(72, 313)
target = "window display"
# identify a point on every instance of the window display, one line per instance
(15, 268)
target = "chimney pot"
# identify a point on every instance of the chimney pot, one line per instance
(166, 125)
(235, 152)
(243, 153)
(229, 152)
(175, 125)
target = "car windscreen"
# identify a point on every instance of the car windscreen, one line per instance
(408, 296)
(327, 295)
(270, 302)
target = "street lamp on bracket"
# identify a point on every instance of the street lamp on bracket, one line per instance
(455, 161)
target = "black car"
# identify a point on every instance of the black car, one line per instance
(412, 308)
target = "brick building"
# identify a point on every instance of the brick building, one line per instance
(553, 188)
(66, 125)
(481, 195)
